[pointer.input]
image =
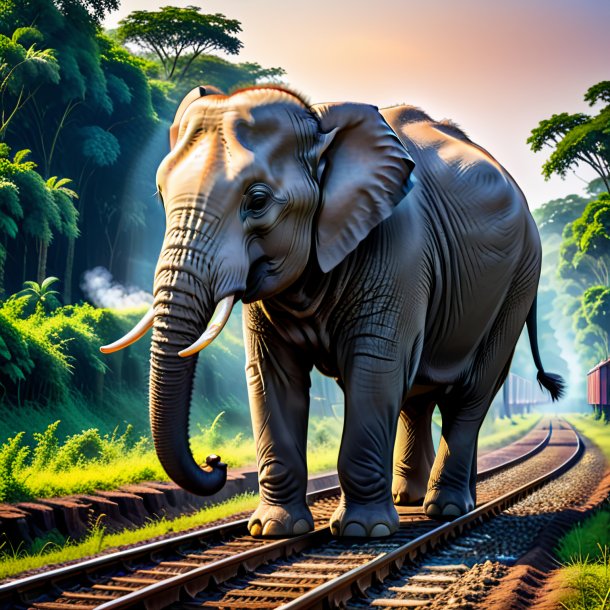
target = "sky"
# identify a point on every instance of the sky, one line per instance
(495, 68)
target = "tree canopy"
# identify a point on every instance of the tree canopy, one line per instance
(585, 251)
(173, 34)
(577, 138)
(552, 216)
(96, 9)
(225, 75)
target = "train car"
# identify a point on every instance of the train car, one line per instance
(598, 390)
(519, 395)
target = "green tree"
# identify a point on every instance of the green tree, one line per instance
(40, 213)
(585, 251)
(225, 75)
(174, 33)
(11, 213)
(23, 70)
(596, 311)
(577, 138)
(64, 198)
(552, 216)
(96, 9)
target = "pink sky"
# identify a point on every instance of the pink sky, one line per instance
(495, 68)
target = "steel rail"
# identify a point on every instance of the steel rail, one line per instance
(23, 591)
(165, 592)
(11, 592)
(492, 470)
(358, 579)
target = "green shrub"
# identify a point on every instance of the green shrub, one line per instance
(86, 447)
(15, 361)
(47, 445)
(12, 457)
(211, 435)
(79, 449)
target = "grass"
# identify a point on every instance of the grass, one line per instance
(56, 550)
(585, 555)
(594, 429)
(584, 551)
(89, 460)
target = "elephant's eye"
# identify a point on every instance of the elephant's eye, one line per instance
(256, 200)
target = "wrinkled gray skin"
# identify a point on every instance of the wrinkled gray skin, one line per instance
(409, 299)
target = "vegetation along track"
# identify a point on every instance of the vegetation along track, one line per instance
(307, 571)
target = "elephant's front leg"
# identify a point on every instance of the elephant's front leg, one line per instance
(278, 389)
(373, 395)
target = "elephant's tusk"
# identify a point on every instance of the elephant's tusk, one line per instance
(219, 319)
(137, 332)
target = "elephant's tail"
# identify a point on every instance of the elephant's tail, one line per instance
(550, 381)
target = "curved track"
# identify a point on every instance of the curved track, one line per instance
(304, 572)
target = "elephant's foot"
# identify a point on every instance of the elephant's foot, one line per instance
(280, 520)
(444, 503)
(408, 490)
(364, 520)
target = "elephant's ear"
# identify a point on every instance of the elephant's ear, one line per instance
(363, 172)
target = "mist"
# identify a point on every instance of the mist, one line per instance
(102, 290)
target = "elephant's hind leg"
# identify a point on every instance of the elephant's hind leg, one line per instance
(452, 487)
(449, 493)
(413, 451)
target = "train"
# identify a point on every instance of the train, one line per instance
(598, 389)
(519, 395)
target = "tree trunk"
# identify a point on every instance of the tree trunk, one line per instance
(42, 261)
(25, 261)
(68, 272)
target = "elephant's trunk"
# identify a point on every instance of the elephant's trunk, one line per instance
(177, 324)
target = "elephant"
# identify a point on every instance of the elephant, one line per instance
(382, 247)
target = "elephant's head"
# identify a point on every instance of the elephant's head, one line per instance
(255, 185)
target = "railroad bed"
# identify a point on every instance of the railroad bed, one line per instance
(224, 567)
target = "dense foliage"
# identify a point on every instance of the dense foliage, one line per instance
(75, 106)
(83, 126)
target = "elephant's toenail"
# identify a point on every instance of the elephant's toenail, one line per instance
(380, 530)
(451, 510)
(354, 529)
(274, 528)
(256, 529)
(301, 527)
(433, 510)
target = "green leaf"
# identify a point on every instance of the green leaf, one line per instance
(21, 155)
(47, 282)
(13, 372)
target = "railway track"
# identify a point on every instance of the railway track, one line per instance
(223, 567)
